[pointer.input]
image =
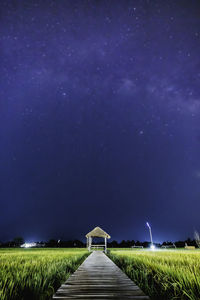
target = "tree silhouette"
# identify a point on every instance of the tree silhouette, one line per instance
(18, 241)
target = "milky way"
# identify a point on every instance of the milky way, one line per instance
(99, 118)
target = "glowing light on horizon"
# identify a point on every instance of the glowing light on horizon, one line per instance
(152, 247)
(28, 245)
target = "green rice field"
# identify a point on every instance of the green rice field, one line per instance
(162, 274)
(30, 274)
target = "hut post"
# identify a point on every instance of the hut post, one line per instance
(90, 242)
(105, 244)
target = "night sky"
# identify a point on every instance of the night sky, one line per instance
(99, 118)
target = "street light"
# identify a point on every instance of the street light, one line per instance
(152, 245)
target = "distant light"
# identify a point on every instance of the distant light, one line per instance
(152, 247)
(28, 245)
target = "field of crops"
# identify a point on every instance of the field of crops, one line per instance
(162, 274)
(30, 274)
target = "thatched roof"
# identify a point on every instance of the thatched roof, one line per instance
(98, 232)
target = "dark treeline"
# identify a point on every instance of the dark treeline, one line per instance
(52, 243)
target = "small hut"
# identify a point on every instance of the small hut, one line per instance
(97, 232)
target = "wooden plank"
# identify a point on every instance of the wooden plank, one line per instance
(99, 278)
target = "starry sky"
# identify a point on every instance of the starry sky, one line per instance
(99, 118)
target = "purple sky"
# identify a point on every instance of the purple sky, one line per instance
(99, 118)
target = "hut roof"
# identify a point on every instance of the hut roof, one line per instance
(98, 232)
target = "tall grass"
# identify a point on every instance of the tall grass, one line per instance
(166, 275)
(36, 274)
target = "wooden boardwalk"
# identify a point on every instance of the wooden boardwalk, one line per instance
(99, 278)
